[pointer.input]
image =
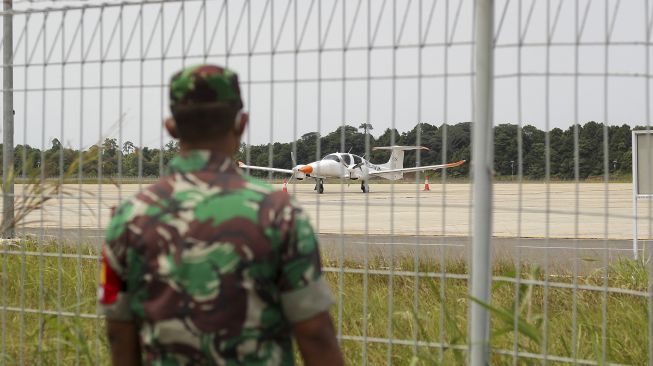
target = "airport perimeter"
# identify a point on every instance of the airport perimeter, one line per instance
(498, 263)
(583, 221)
(529, 210)
(388, 271)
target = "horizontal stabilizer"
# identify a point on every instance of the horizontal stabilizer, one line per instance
(418, 169)
(400, 148)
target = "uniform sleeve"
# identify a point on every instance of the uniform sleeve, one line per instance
(304, 291)
(113, 296)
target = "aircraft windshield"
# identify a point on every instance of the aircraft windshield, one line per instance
(357, 159)
(333, 157)
(347, 159)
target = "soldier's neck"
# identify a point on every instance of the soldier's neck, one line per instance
(227, 145)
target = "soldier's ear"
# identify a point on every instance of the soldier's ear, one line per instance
(242, 118)
(171, 127)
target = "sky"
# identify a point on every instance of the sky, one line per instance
(91, 72)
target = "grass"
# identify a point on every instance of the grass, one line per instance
(439, 317)
(57, 284)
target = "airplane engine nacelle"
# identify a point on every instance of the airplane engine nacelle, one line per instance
(300, 175)
(356, 174)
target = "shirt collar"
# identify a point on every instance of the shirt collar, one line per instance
(197, 160)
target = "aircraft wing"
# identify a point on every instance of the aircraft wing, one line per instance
(264, 168)
(417, 168)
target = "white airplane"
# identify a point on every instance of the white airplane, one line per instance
(353, 167)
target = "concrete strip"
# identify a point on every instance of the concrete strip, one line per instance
(403, 209)
(395, 213)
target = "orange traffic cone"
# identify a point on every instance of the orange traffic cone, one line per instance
(426, 184)
(285, 185)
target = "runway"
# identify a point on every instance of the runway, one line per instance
(588, 221)
(556, 253)
(553, 252)
(531, 210)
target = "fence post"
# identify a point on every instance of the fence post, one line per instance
(8, 122)
(482, 167)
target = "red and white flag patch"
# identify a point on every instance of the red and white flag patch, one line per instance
(110, 284)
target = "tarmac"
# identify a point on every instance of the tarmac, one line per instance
(554, 223)
(557, 210)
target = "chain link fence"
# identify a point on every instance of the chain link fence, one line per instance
(521, 256)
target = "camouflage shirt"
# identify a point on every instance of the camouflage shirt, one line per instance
(213, 267)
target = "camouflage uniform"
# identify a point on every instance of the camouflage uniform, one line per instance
(213, 266)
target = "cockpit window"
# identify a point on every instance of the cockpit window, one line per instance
(333, 157)
(357, 159)
(346, 158)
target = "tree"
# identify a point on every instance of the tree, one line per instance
(170, 150)
(128, 147)
(348, 134)
(56, 145)
(447, 143)
(26, 160)
(591, 150)
(459, 141)
(110, 147)
(505, 149)
(365, 127)
(110, 150)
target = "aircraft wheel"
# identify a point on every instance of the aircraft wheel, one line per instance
(320, 186)
(365, 188)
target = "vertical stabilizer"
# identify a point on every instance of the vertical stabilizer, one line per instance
(396, 160)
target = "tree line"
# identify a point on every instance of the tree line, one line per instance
(445, 142)
(456, 140)
(108, 159)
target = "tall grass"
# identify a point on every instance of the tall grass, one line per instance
(443, 319)
(440, 318)
(59, 289)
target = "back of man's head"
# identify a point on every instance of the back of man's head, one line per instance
(205, 102)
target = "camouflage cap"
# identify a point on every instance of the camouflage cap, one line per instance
(203, 84)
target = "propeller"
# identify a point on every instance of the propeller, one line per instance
(294, 169)
(351, 169)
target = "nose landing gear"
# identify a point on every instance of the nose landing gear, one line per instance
(319, 185)
(365, 187)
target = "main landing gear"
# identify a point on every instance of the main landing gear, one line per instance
(365, 187)
(319, 185)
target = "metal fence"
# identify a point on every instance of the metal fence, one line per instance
(515, 272)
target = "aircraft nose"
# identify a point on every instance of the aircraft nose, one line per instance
(306, 169)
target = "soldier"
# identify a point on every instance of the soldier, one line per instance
(209, 266)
